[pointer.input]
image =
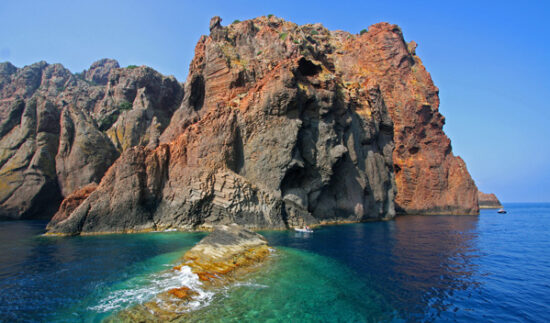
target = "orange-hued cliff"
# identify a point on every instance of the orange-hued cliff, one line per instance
(429, 178)
(277, 125)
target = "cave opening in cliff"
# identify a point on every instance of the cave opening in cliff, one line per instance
(307, 68)
(196, 98)
(396, 168)
(236, 160)
(413, 150)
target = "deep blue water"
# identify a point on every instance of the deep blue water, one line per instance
(416, 268)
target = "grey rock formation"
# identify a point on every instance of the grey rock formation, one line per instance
(61, 131)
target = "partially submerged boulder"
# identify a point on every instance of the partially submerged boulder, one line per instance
(224, 256)
(226, 253)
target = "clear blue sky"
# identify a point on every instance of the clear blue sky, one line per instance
(489, 59)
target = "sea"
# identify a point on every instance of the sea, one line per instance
(486, 268)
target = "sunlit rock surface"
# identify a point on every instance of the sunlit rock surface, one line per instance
(277, 125)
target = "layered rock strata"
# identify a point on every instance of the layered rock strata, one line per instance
(429, 178)
(488, 201)
(61, 131)
(226, 255)
(268, 136)
(278, 125)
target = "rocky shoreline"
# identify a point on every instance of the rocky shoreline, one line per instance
(277, 126)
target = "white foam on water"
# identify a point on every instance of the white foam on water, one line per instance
(248, 284)
(154, 285)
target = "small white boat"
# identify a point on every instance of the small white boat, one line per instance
(501, 211)
(306, 230)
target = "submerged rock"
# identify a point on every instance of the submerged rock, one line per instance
(225, 253)
(488, 201)
(225, 256)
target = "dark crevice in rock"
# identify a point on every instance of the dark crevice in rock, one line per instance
(240, 80)
(307, 68)
(45, 203)
(396, 168)
(236, 161)
(413, 150)
(196, 97)
(14, 117)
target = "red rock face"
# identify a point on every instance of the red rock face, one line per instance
(429, 178)
(283, 125)
(71, 202)
(266, 136)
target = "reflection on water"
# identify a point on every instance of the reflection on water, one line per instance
(418, 268)
(416, 262)
(40, 276)
(432, 259)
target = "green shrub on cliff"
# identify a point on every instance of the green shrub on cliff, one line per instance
(131, 67)
(125, 105)
(107, 121)
(362, 31)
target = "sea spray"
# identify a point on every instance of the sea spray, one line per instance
(146, 289)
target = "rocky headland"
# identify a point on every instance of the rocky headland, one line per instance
(278, 125)
(488, 201)
(227, 255)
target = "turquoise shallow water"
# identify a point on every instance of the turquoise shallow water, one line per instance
(416, 268)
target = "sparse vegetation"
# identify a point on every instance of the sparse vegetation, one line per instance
(296, 41)
(258, 53)
(131, 67)
(362, 31)
(236, 21)
(314, 32)
(283, 36)
(270, 15)
(107, 121)
(125, 105)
